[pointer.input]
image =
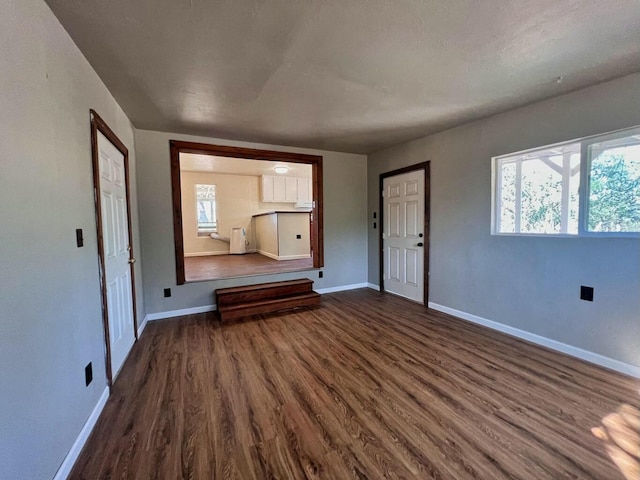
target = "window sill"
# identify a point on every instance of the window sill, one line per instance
(630, 235)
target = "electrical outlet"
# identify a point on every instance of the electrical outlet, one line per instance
(167, 292)
(88, 374)
(320, 274)
(298, 236)
(586, 293)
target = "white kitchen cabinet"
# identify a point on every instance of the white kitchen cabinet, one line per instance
(278, 188)
(291, 189)
(304, 190)
(267, 188)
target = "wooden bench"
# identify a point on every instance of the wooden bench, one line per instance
(238, 302)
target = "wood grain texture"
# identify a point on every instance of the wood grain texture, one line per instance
(239, 302)
(365, 386)
(215, 267)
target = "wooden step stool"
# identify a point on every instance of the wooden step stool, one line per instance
(238, 302)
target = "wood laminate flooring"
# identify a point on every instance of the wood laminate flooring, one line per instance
(214, 267)
(366, 385)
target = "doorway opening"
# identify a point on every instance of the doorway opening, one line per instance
(404, 233)
(242, 211)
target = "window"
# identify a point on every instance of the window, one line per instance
(206, 209)
(539, 191)
(613, 190)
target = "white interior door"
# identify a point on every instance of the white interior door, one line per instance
(403, 235)
(116, 248)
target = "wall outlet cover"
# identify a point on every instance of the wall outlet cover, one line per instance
(88, 374)
(586, 293)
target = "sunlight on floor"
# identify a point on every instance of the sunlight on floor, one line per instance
(620, 432)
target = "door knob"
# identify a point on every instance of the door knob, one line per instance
(420, 244)
(420, 235)
(132, 260)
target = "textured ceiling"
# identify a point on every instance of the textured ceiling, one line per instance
(346, 75)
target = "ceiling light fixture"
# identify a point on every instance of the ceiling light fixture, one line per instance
(281, 169)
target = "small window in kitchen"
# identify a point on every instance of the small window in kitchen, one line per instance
(206, 209)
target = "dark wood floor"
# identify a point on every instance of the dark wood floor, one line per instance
(214, 267)
(365, 386)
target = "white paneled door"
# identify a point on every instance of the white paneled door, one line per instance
(403, 235)
(116, 251)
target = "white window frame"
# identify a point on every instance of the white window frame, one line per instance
(584, 194)
(202, 231)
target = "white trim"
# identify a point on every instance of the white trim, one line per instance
(267, 254)
(179, 313)
(142, 326)
(283, 257)
(586, 355)
(207, 254)
(68, 462)
(341, 288)
(293, 257)
(373, 286)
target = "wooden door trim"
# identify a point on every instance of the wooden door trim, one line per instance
(177, 147)
(99, 125)
(426, 167)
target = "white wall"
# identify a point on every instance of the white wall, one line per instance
(50, 309)
(531, 283)
(345, 233)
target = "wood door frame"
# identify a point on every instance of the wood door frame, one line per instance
(426, 167)
(99, 125)
(177, 147)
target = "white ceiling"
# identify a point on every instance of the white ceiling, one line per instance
(191, 162)
(347, 75)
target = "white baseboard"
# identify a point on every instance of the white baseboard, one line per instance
(373, 286)
(586, 355)
(142, 326)
(282, 257)
(293, 257)
(341, 288)
(267, 254)
(68, 462)
(207, 254)
(179, 313)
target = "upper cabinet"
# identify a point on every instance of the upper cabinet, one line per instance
(304, 190)
(278, 188)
